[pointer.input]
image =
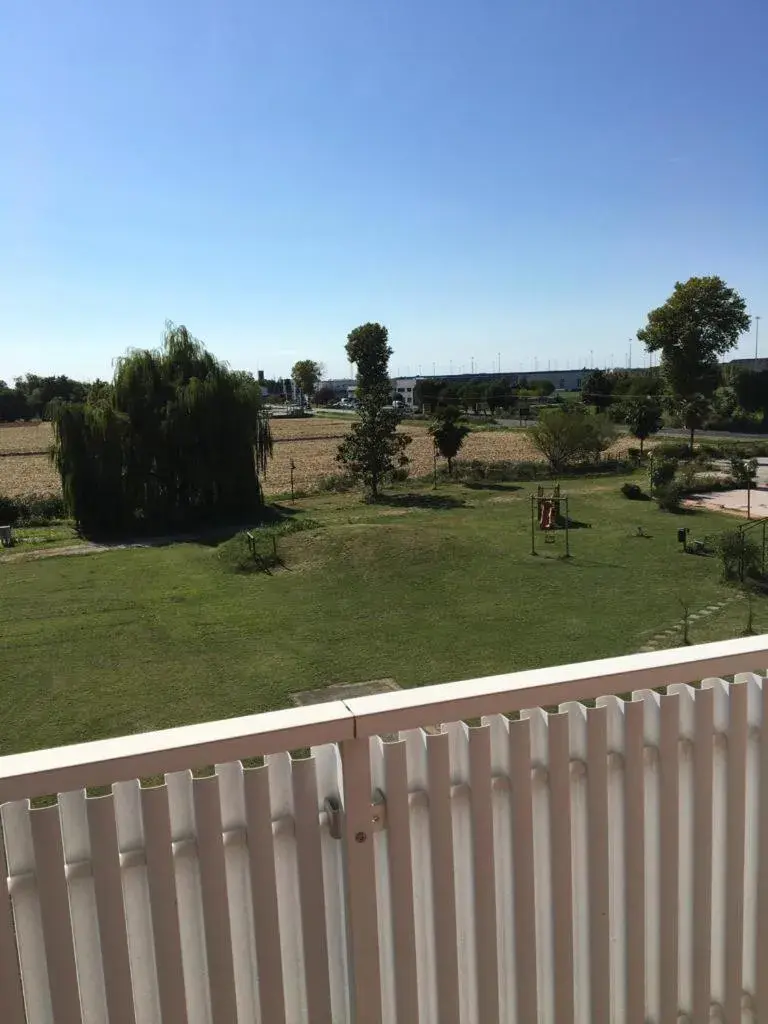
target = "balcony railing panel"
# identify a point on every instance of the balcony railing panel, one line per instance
(572, 865)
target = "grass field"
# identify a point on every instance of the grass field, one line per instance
(424, 587)
(310, 443)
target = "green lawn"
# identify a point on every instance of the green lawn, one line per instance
(147, 638)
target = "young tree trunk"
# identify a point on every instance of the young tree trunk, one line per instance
(641, 446)
(450, 467)
(692, 433)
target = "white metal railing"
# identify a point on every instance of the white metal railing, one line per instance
(597, 864)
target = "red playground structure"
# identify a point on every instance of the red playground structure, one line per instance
(546, 514)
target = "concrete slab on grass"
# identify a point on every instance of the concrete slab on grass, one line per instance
(343, 691)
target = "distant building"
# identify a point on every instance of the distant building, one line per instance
(344, 387)
(562, 380)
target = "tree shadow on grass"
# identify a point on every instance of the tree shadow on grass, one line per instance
(207, 535)
(572, 524)
(487, 485)
(432, 501)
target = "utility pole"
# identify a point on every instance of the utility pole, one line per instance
(757, 336)
(472, 364)
(630, 353)
(591, 359)
(498, 356)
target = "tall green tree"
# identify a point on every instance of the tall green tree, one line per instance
(178, 441)
(448, 434)
(373, 449)
(306, 375)
(700, 321)
(643, 417)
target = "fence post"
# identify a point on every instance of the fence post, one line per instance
(360, 877)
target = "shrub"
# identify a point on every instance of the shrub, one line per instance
(740, 555)
(31, 510)
(399, 475)
(687, 478)
(634, 492)
(241, 555)
(708, 482)
(336, 483)
(662, 472)
(669, 496)
(565, 436)
(672, 450)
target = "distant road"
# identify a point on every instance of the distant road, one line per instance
(682, 432)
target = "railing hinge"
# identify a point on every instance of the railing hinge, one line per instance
(335, 815)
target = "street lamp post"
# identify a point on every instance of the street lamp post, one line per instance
(757, 336)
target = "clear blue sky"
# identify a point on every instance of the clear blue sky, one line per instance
(525, 178)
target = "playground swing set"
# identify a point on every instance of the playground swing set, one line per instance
(549, 513)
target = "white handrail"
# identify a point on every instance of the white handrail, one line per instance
(451, 702)
(102, 762)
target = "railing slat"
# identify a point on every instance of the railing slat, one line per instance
(11, 994)
(597, 811)
(312, 889)
(669, 843)
(399, 856)
(634, 852)
(213, 879)
(164, 905)
(484, 874)
(83, 911)
(761, 952)
(110, 909)
(266, 921)
(27, 921)
(702, 855)
(524, 870)
(54, 910)
(736, 838)
(443, 890)
(562, 866)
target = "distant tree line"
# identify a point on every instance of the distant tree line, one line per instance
(30, 397)
(497, 395)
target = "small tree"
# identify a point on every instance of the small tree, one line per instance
(643, 417)
(373, 449)
(692, 411)
(448, 435)
(495, 395)
(597, 390)
(743, 471)
(567, 436)
(306, 374)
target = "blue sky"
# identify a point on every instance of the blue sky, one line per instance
(490, 177)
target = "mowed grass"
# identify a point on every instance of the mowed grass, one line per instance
(148, 638)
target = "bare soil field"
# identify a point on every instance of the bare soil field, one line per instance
(25, 437)
(310, 443)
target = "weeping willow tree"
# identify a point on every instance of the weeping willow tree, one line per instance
(178, 441)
